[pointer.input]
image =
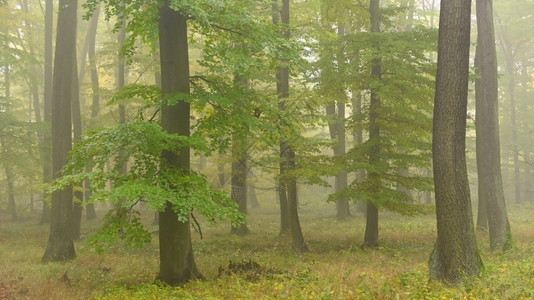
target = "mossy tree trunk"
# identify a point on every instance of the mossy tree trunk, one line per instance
(455, 253)
(177, 264)
(487, 132)
(60, 243)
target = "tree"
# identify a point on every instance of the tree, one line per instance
(177, 264)
(60, 243)
(288, 182)
(371, 224)
(490, 187)
(455, 253)
(47, 100)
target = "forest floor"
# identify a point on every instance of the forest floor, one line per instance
(263, 265)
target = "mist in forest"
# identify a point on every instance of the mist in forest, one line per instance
(279, 149)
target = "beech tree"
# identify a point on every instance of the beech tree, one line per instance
(490, 187)
(60, 243)
(455, 253)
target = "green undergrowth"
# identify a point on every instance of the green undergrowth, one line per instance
(261, 265)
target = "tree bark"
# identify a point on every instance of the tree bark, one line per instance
(455, 253)
(177, 264)
(488, 152)
(60, 243)
(371, 226)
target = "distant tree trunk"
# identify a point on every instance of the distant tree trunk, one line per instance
(77, 128)
(342, 205)
(239, 177)
(455, 253)
(371, 225)
(60, 243)
(7, 169)
(177, 264)
(358, 140)
(297, 239)
(252, 198)
(47, 100)
(487, 132)
(3, 142)
(283, 92)
(95, 105)
(220, 171)
(510, 91)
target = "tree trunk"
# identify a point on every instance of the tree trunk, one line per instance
(455, 253)
(47, 100)
(177, 264)
(282, 89)
(510, 91)
(95, 105)
(77, 207)
(7, 169)
(239, 177)
(342, 205)
(371, 226)
(361, 206)
(60, 243)
(487, 131)
(297, 239)
(252, 198)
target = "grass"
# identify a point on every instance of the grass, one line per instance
(335, 268)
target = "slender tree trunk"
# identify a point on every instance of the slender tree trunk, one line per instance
(95, 105)
(342, 205)
(487, 131)
(60, 243)
(47, 100)
(220, 171)
(177, 264)
(251, 194)
(371, 225)
(297, 239)
(358, 140)
(455, 255)
(239, 177)
(8, 171)
(510, 89)
(77, 207)
(283, 92)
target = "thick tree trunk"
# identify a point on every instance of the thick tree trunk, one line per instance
(177, 264)
(47, 100)
(60, 243)
(487, 132)
(371, 226)
(455, 253)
